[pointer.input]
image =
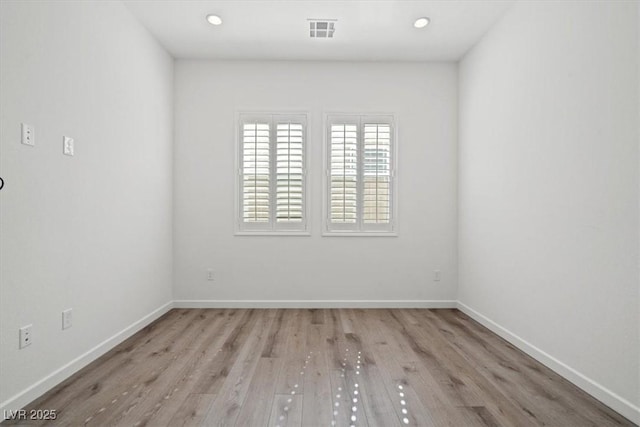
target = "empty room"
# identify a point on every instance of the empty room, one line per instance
(320, 213)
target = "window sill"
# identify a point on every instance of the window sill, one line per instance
(272, 233)
(359, 234)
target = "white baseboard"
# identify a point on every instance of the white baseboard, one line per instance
(606, 396)
(56, 377)
(315, 304)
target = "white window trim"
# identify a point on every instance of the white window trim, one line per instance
(240, 117)
(326, 195)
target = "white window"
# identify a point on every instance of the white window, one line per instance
(360, 184)
(272, 174)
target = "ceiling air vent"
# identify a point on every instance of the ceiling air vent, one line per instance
(321, 28)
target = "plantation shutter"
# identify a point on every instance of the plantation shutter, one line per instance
(343, 172)
(272, 173)
(289, 170)
(377, 174)
(256, 172)
(360, 173)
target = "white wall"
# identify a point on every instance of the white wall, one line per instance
(548, 184)
(90, 232)
(548, 196)
(208, 94)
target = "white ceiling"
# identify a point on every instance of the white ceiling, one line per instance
(376, 30)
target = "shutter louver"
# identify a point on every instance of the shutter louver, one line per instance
(377, 174)
(289, 172)
(344, 173)
(255, 172)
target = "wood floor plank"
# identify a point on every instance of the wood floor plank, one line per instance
(152, 381)
(255, 410)
(192, 411)
(218, 368)
(468, 416)
(240, 370)
(405, 371)
(295, 353)
(368, 381)
(317, 316)
(342, 398)
(319, 367)
(286, 411)
(155, 397)
(317, 402)
(456, 376)
(277, 337)
(433, 362)
(336, 341)
(181, 380)
(407, 405)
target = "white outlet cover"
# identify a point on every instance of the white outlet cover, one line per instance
(25, 336)
(28, 135)
(67, 318)
(67, 146)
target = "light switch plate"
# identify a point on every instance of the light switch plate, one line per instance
(67, 146)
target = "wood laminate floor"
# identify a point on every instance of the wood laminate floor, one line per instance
(305, 367)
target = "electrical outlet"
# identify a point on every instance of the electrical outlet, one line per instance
(25, 336)
(28, 135)
(210, 275)
(67, 146)
(67, 318)
(436, 275)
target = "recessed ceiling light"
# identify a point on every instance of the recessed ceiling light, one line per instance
(214, 19)
(421, 22)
